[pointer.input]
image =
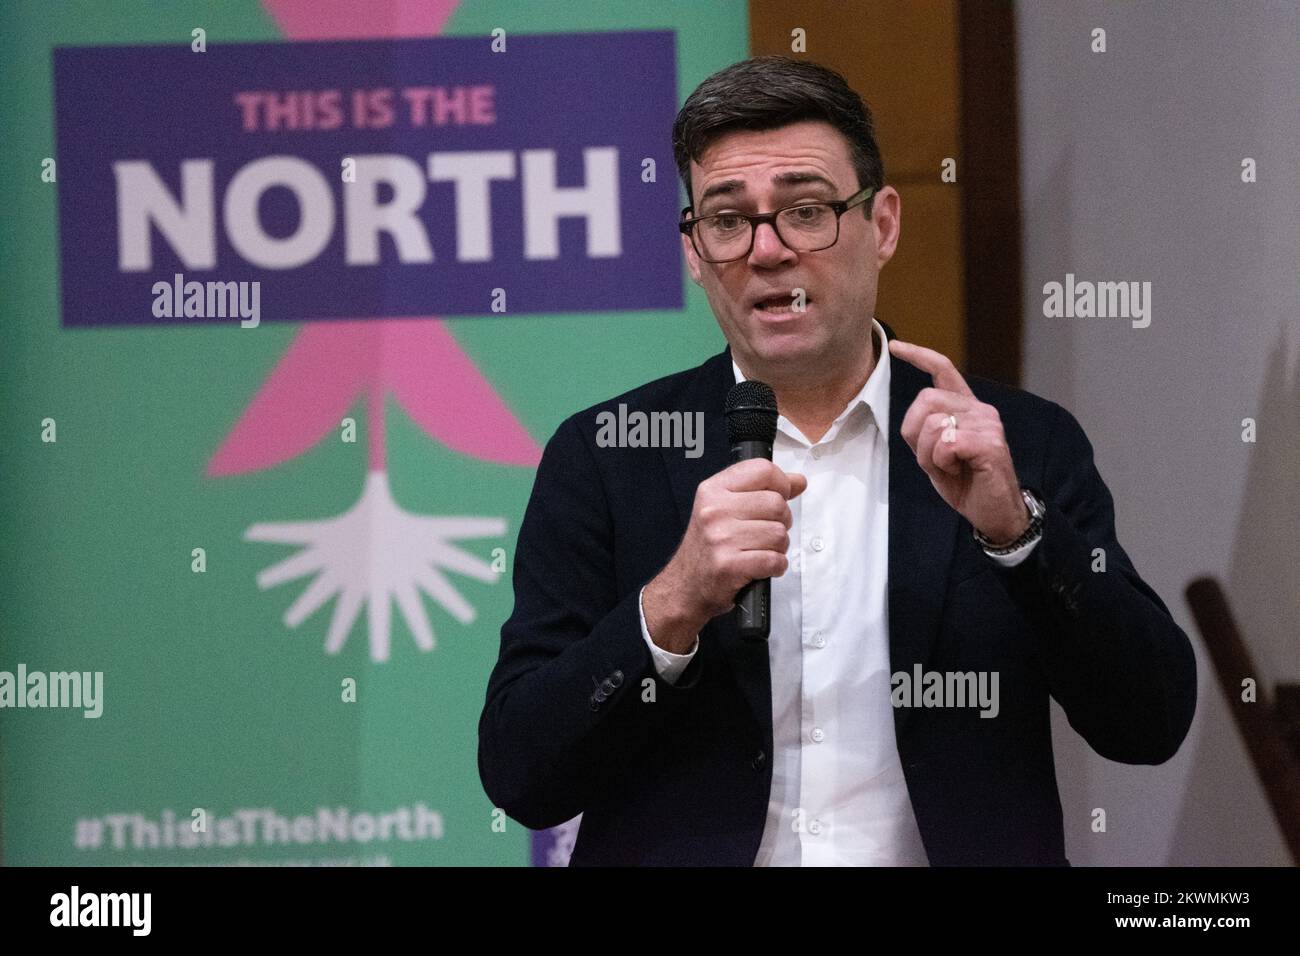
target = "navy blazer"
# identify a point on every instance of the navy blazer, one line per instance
(577, 720)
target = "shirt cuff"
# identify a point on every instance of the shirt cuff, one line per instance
(1009, 560)
(668, 664)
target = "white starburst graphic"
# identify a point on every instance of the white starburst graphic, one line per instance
(372, 554)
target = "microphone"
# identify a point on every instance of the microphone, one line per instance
(751, 430)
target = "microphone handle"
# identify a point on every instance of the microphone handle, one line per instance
(754, 600)
(753, 607)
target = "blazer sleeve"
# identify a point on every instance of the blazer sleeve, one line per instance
(574, 697)
(1119, 666)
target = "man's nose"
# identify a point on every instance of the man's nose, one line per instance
(768, 248)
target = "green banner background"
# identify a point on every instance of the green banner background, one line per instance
(210, 701)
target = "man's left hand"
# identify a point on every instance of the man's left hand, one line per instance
(969, 463)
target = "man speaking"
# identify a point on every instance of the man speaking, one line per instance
(941, 554)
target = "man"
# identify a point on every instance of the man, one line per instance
(935, 546)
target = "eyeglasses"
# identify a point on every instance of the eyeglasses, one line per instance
(803, 227)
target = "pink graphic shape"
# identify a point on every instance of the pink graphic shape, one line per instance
(359, 19)
(329, 363)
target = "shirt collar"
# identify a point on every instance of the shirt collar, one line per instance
(874, 392)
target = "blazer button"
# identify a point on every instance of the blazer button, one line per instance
(759, 761)
(616, 678)
(608, 687)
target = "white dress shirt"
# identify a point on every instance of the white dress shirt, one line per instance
(838, 793)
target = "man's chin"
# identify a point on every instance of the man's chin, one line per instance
(787, 349)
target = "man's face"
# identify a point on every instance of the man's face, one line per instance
(756, 172)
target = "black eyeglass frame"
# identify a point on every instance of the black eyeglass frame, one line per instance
(840, 206)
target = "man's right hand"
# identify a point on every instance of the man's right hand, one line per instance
(738, 532)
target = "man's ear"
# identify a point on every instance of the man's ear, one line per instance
(887, 218)
(692, 260)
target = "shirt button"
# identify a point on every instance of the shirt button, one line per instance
(817, 544)
(815, 827)
(818, 734)
(817, 451)
(819, 640)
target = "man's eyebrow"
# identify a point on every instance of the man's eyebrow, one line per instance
(802, 179)
(731, 187)
(727, 187)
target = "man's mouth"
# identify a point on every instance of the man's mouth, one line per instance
(782, 304)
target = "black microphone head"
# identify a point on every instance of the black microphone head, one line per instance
(751, 412)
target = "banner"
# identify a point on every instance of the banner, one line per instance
(366, 178)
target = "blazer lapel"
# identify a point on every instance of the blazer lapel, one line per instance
(922, 535)
(707, 392)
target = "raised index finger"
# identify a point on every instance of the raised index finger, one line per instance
(939, 366)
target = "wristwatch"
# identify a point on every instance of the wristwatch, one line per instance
(1032, 533)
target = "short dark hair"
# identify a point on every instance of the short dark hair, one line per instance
(767, 92)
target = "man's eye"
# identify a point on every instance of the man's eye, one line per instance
(726, 223)
(806, 214)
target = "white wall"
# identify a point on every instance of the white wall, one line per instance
(1131, 170)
